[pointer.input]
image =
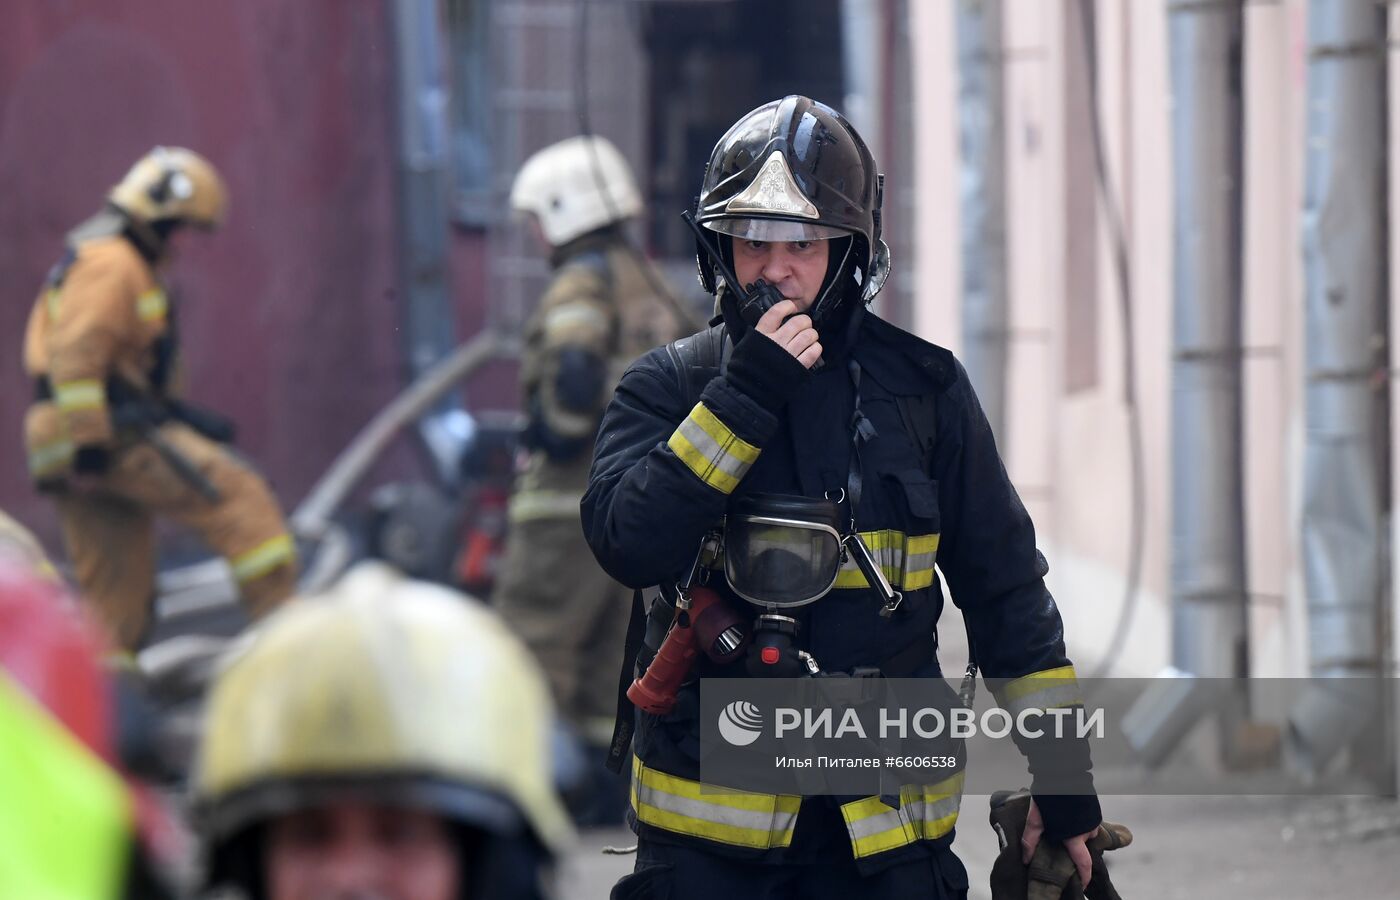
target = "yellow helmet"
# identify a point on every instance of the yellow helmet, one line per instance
(172, 184)
(384, 689)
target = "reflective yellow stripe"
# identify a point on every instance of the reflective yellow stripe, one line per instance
(263, 558)
(544, 505)
(920, 554)
(906, 560)
(933, 808)
(875, 827)
(152, 305)
(85, 393)
(568, 319)
(926, 812)
(51, 457)
(711, 450)
(736, 818)
(51, 302)
(1049, 689)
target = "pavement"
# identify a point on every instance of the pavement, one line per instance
(1185, 848)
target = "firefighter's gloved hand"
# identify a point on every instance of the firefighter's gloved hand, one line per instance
(1048, 873)
(764, 369)
(91, 459)
(793, 330)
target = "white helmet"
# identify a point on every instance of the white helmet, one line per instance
(576, 186)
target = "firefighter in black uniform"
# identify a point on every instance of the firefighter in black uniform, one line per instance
(818, 398)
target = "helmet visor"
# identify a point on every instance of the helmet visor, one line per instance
(780, 562)
(774, 230)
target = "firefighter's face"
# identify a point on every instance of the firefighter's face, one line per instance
(359, 851)
(796, 268)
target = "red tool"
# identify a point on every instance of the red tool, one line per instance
(709, 625)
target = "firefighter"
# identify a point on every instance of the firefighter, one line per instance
(816, 408)
(107, 437)
(601, 311)
(386, 738)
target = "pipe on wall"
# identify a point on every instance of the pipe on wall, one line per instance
(982, 141)
(427, 322)
(1345, 471)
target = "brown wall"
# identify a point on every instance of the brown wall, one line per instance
(289, 315)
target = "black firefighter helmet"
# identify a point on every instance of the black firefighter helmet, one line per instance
(795, 170)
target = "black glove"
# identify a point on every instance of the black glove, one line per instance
(92, 459)
(765, 372)
(215, 426)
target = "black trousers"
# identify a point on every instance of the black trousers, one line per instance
(670, 872)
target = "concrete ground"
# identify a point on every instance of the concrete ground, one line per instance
(1185, 848)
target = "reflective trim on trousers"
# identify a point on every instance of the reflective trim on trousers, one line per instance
(263, 558)
(926, 812)
(737, 818)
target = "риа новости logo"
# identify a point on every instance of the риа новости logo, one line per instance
(740, 723)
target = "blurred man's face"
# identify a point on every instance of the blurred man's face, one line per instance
(359, 851)
(796, 268)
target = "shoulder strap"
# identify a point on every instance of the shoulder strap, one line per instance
(624, 724)
(59, 271)
(697, 359)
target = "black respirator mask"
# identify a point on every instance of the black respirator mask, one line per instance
(782, 552)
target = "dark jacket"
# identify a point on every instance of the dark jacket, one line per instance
(664, 472)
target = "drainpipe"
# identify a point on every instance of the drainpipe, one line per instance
(1209, 596)
(861, 46)
(427, 323)
(1208, 578)
(1346, 478)
(981, 120)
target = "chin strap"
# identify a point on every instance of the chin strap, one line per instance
(834, 291)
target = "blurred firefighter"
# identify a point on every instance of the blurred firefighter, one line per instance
(73, 823)
(601, 311)
(386, 738)
(107, 436)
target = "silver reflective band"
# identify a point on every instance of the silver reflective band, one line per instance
(774, 230)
